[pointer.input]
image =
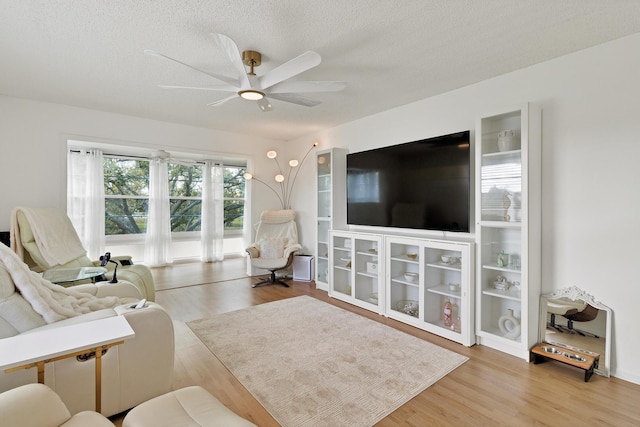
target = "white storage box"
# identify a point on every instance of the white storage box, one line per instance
(303, 268)
(372, 267)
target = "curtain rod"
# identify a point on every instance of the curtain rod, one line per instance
(122, 156)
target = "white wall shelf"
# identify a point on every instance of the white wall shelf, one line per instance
(331, 206)
(508, 228)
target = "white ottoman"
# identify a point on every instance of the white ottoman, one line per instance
(189, 406)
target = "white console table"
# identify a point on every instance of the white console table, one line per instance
(35, 349)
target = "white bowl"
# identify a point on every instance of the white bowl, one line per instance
(446, 258)
(501, 286)
(455, 287)
(411, 277)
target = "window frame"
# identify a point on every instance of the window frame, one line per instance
(176, 235)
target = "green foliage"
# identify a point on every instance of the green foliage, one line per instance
(130, 180)
(127, 182)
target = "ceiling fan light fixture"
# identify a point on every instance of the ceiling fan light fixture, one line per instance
(251, 95)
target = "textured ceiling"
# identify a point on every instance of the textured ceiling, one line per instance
(90, 53)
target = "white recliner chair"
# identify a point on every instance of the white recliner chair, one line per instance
(132, 373)
(31, 248)
(275, 243)
(36, 405)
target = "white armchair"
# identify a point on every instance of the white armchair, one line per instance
(30, 228)
(275, 243)
(132, 373)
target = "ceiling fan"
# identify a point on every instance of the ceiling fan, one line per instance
(274, 84)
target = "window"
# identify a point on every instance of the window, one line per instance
(185, 195)
(234, 198)
(126, 186)
(126, 190)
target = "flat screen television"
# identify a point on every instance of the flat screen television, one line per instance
(420, 185)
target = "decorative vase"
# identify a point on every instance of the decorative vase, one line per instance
(509, 325)
(448, 313)
(507, 140)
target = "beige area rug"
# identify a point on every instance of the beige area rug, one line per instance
(313, 364)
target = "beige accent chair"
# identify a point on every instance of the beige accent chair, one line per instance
(139, 275)
(132, 373)
(36, 405)
(275, 243)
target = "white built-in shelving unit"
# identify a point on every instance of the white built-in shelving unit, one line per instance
(331, 170)
(508, 229)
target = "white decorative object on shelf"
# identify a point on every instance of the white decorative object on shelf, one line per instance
(507, 140)
(509, 325)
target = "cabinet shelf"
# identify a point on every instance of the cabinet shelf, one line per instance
(503, 155)
(501, 224)
(406, 260)
(503, 269)
(402, 281)
(496, 333)
(510, 295)
(444, 290)
(445, 266)
(364, 273)
(440, 324)
(371, 254)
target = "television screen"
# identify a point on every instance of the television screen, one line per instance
(421, 185)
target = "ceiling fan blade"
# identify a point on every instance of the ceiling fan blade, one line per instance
(291, 68)
(222, 88)
(306, 86)
(222, 79)
(221, 101)
(295, 99)
(264, 104)
(231, 49)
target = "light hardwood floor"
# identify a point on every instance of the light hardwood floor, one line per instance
(491, 389)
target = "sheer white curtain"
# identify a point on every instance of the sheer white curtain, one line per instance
(157, 245)
(85, 198)
(212, 212)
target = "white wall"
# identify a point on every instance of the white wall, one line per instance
(590, 173)
(33, 141)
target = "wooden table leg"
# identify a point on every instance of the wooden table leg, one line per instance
(99, 380)
(40, 366)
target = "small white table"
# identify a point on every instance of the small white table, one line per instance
(27, 350)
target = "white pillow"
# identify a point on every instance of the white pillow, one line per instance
(272, 248)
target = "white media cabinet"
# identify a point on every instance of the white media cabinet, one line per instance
(423, 282)
(499, 270)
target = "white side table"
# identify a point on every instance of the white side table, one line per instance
(27, 350)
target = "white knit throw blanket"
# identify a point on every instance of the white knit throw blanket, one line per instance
(52, 302)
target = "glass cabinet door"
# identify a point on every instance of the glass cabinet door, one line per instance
(367, 270)
(403, 271)
(323, 177)
(443, 292)
(341, 262)
(331, 207)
